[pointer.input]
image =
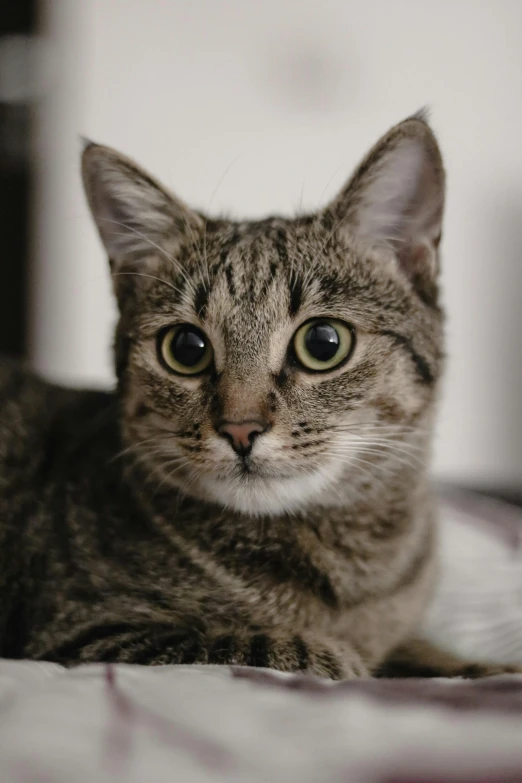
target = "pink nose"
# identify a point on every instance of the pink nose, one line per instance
(241, 434)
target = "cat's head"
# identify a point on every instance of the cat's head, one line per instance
(267, 365)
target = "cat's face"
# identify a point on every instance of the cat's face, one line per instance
(269, 365)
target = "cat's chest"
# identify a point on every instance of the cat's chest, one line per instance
(325, 579)
(298, 582)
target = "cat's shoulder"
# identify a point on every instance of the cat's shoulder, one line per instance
(32, 408)
(23, 390)
(19, 387)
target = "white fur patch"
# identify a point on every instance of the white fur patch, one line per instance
(372, 453)
(257, 496)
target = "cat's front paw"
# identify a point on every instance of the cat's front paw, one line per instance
(335, 660)
(476, 671)
(306, 654)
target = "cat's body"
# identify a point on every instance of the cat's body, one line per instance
(88, 573)
(256, 492)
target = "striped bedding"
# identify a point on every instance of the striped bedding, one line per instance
(194, 724)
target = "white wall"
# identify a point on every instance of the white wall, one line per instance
(253, 107)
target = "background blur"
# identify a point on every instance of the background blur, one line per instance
(249, 108)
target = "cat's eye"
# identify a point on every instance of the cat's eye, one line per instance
(185, 349)
(323, 343)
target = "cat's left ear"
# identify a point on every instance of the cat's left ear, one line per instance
(395, 199)
(134, 214)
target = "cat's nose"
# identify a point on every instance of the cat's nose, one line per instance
(241, 434)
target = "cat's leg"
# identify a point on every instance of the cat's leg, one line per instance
(160, 646)
(421, 658)
(299, 653)
(288, 654)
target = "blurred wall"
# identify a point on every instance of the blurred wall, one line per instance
(255, 107)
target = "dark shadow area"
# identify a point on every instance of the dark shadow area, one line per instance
(17, 22)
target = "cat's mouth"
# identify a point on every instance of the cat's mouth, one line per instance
(250, 470)
(254, 488)
(247, 469)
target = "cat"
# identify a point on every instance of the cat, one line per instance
(256, 490)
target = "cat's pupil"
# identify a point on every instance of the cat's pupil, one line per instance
(188, 346)
(322, 342)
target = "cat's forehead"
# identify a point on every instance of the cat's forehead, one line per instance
(249, 289)
(264, 246)
(248, 278)
(262, 269)
(249, 261)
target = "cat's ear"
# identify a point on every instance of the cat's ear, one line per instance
(395, 199)
(134, 214)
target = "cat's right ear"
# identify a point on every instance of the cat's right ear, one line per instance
(134, 214)
(395, 200)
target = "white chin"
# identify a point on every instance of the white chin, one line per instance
(259, 496)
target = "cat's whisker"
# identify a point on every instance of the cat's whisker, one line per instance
(159, 452)
(183, 490)
(362, 467)
(399, 436)
(353, 458)
(388, 445)
(177, 266)
(212, 197)
(331, 485)
(137, 445)
(142, 459)
(401, 459)
(329, 182)
(139, 260)
(407, 428)
(376, 435)
(386, 453)
(152, 277)
(382, 436)
(193, 476)
(385, 449)
(184, 463)
(143, 453)
(220, 181)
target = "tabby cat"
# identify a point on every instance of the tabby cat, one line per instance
(256, 490)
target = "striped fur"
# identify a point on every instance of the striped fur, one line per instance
(131, 531)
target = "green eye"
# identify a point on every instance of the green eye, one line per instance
(323, 343)
(185, 349)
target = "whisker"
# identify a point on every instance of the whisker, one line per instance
(389, 445)
(162, 250)
(385, 466)
(169, 475)
(387, 454)
(137, 445)
(214, 192)
(366, 474)
(407, 428)
(353, 458)
(152, 277)
(221, 180)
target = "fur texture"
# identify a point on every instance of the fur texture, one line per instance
(132, 531)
